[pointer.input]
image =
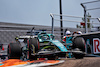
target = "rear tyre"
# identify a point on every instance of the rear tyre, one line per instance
(14, 51)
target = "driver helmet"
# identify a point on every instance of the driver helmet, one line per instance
(16, 38)
(68, 32)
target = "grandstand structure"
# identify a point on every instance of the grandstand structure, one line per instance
(8, 31)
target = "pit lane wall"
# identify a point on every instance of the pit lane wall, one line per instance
(92, 41)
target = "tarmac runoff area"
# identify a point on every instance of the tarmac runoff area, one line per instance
(72, 62)
(85, 62)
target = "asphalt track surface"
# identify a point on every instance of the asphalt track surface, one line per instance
(85, 62)
(72, 62)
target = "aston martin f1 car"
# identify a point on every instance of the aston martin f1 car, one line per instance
(28, 47)
(76, 44)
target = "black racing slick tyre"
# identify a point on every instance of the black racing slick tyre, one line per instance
(78, 55)
(35, 42)
(78, 42)
(14, 51)
(33, 48)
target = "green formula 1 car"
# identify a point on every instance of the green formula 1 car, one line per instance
(30, 47)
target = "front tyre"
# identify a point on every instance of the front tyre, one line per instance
(33, 48)
(78, 54)
(78, 42)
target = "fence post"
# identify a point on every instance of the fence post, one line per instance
(52, 24)
(85, 20)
